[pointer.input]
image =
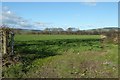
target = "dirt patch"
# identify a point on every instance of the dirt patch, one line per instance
(90, 68)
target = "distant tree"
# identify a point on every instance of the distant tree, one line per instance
(53, 30)
(47, 29)
(72, 29)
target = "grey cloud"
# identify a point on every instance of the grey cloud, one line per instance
(10, 19)
(90, 2)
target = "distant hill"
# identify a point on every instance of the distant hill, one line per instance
(105, 29)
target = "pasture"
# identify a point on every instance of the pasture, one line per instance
(63, 56)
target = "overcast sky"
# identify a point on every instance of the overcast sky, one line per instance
(39, 15)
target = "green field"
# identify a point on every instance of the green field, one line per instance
(63, 56)
(53, 37)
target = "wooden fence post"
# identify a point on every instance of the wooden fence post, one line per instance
(6, 41)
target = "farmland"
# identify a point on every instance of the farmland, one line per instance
(63, 56)
(53, 37)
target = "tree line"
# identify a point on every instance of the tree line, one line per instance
(68, 31)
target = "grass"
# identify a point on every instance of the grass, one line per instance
(63, 56)
(53, 37)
